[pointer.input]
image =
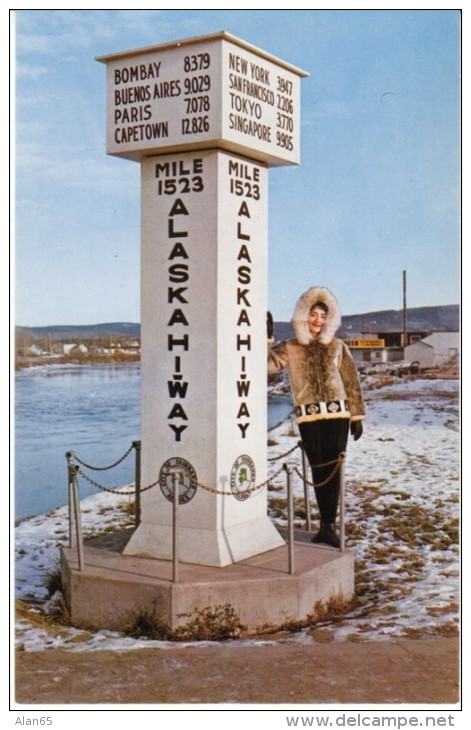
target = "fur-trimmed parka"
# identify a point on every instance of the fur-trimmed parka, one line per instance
(323, 376)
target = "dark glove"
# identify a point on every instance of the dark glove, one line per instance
(356, 429)
(269, 325)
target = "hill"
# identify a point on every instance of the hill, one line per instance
(82, 331)
(444, 318)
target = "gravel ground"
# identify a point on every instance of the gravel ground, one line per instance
(393, 672)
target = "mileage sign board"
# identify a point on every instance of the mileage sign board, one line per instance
(209, 92)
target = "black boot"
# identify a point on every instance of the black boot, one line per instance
(327, 535)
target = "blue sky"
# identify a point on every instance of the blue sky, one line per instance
(377, 191)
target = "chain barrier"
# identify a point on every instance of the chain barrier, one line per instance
(282, 456)
(102, 468)
(74, 499)
(338, 462)
(249, 490)
(111, 490)
(213, 490)
(121, 491)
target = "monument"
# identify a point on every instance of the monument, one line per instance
(206, 118)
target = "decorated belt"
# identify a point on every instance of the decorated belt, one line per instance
(323, 407)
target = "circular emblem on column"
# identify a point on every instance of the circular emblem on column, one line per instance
(242, 477)
(186, 479)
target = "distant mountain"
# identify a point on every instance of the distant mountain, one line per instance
(83, 331)
(444, 318)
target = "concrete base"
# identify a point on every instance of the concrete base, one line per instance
(113, 586)
(217, 548)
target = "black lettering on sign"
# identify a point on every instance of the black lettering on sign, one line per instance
(196, 62)
(243, 387)
(244, 210)
(173, 342)
(177, 389)
(178, 430)
(167, 89)
(242, 297)
(131, 114)
(243, 411)
(195, 125)
(244, 254)
(244, 274)
(243, 318)
(178, 412)
(241, 235)
(139, 72)
(244, 171)
(139, 132)
(236, 63)
(132, 95)
(245, 106)
(178, 251)
(243, 428)
(177, 294)
(178, 208)
(177, 318)
(242, 174)
(260, 74)
(175, 177)
(197, 104)
(178, 273)
(179, 177)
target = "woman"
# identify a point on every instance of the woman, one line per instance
(327, 396)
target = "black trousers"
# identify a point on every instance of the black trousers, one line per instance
(323, 441)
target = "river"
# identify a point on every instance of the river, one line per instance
(91, 410)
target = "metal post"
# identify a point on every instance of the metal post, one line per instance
(70, 488)
(289, 490)
(404, 326)
(137, 482)
(78, 521)
(307, 503)
(176, 496)
(342, 502)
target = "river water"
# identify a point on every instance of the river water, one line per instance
(91, 410)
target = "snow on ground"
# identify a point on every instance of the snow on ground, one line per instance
(402, 512)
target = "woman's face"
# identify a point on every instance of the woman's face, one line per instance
(316, 321)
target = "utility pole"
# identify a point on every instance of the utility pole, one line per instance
(404, 306)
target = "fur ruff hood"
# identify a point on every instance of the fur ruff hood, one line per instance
(301, 314)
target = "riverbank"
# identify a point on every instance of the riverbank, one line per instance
(402, 507)
(23, 363)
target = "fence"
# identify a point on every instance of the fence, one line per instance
(74, 464)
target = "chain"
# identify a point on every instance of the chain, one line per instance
(112, 490)
(102, 468)
(214, 490)
(334, 471)
(249, 490)
(115, 490)
(281, 456)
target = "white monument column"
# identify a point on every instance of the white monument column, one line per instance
(206, 118)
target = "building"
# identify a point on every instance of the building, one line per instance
(434, 350)
(399, 338)
(373, 350)
(34, 351)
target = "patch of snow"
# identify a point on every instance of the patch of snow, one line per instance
(402, 508)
